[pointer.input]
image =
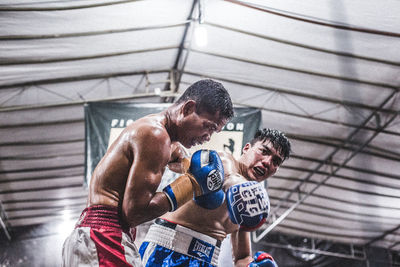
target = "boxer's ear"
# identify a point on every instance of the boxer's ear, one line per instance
(189, 107)
(246, 147)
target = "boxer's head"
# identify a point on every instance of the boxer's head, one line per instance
(210, 97)
(204, 108)
(264, 154)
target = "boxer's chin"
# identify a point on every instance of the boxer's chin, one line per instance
(251, 176)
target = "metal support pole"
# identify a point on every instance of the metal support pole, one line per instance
(294, 206)
(3, 223)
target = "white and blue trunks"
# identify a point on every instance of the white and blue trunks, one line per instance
(170, 244)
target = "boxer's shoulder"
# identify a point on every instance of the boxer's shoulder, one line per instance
(229, 162)
(233, 179)
(148, 129)
(231, 170)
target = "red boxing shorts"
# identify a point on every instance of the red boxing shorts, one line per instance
(100, 239)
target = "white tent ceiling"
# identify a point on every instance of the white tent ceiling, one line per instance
(327, 73)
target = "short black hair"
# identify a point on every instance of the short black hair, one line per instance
(210, 96)
(278, 139)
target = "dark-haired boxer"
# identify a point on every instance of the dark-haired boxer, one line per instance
(192, 235)
(122, 192)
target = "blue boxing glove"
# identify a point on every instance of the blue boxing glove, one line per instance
(248, 205)
(262, 259)
(206, 167)
(212, 200)
(205, 175)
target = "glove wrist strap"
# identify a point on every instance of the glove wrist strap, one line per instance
(180, 191)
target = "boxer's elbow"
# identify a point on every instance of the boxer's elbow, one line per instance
(243, 262)
(128, 214)
(146, 209)
(133, 213)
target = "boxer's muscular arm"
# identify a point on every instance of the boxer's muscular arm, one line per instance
(151, 152)
(241, 248)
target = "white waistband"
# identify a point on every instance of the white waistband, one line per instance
(185, 241)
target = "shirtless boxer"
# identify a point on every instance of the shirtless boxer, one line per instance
(191, 236)
(122, 191)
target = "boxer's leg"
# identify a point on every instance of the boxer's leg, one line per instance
(79, 249)
(131, 252)
(154, 255)
(91, 247)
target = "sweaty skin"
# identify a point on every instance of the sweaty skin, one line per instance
(131, 170)
(113, 177)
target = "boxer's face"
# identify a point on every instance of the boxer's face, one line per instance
(262, 160)
(196, 129)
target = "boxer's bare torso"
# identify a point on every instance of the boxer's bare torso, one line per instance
(109, 179)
